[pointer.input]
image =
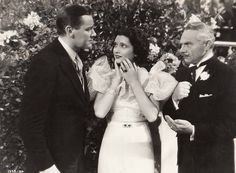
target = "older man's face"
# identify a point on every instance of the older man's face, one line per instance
(193, 49)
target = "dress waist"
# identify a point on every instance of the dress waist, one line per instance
(127, 115)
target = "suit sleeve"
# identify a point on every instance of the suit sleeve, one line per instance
(169, 108)
(40, 82)
(223, 126)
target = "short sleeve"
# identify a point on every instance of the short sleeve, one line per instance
(99, 75)
(160, 84)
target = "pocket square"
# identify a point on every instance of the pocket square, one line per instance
(205, 95)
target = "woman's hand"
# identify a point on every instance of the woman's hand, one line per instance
(129, 72)
(117, 78)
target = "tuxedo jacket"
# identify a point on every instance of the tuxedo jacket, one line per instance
(211, 108)
(54, 112)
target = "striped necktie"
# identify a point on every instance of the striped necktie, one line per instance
(79, 70)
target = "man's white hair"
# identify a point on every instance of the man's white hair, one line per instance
(206, 33)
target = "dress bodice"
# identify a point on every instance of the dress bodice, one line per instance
(125, 108)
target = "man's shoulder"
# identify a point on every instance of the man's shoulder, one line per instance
(223, 72)
(47, 54)
(221, 67)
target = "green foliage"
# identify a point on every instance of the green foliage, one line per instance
(161, 20)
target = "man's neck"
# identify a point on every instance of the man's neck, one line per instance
(67, 42)
(209, 54)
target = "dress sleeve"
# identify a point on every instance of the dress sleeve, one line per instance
(99, 76)
(160, 84)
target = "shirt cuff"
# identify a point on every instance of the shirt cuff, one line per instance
(176, 104)
(192, 135)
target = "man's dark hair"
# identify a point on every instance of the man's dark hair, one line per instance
(70, 15)
(139, 42)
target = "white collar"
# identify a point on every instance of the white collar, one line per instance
(68, 49)
(72, 54)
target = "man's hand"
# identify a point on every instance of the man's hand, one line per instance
(180, 126)
(181, 91)
(52, 169)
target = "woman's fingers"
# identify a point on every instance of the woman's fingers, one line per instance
(135, 67)
(127, 64)
(123, 68)
(116, 65)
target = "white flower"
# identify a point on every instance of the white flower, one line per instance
(204, 75)
(222, 59)
(171, 61)
(154, 49)
(214, 24)
(205, 5)
(2, 56)
(5, 36)
(194, 19)
(2, 39)
(180, 2)
(32, 20)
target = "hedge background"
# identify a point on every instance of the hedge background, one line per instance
(162, 20)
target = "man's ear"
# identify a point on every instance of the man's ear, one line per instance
(208, 44)
(69, 31)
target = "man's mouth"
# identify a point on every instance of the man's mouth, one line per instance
(92, 41)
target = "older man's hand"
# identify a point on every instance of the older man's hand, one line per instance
(179, 126)
(181, 91)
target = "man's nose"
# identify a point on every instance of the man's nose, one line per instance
(93, 33)
(182, 49)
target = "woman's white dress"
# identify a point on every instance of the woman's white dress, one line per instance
(168, 148)
(127, 143)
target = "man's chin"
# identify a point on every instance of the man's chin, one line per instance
(186, 63)
(88, 47)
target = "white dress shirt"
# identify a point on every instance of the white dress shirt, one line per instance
(72, 54)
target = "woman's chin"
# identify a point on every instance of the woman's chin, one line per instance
(119, 60)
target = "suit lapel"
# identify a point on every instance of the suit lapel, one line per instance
(208, 67)
(196, 86)
(67, 66)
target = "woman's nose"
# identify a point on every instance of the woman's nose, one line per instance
(116, 49)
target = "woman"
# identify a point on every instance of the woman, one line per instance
(128, 97)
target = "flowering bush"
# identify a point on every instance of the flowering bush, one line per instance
(32, 20)
(171, 62)
(162, 20)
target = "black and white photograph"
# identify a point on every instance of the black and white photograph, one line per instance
(117, 86)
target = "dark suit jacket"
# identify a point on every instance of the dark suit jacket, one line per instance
(211, 107)
(54, 111)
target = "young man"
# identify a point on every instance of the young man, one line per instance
(56, 99)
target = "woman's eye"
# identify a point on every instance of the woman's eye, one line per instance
(123, 45)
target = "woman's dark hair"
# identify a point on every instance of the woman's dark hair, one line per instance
(139, 42)
(70, 15)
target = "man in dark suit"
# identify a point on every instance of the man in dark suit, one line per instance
(56, 99)
(202, 109)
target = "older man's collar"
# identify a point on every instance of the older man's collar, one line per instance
(207, 56)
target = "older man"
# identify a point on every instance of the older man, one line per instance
(202, 109)
(56, 99)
